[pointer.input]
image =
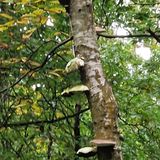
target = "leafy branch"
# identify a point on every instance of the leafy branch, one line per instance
(22, 124)
(47, 58)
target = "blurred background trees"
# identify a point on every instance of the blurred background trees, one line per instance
(36, 120)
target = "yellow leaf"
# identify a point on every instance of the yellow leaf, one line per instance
(43, 20)
(38, 96)
(9, 24)
(38, 12)
(37, 110)
(24, 59)
(23, 20)
(3, 28)
(5, 16)
(28, 33)
(10, 61)
(57, 33)
(20, 47)
(25, 1)
(41, 145)
(56, 10)
(22, 107)
(38, 1)
(28, 15)
(21, 111)
(59, 114)
(55, 2)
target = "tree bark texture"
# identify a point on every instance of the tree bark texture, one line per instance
(101, 99)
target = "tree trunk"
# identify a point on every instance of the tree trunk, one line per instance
(101, 99)
(77, 129)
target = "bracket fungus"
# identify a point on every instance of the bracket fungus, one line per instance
(74, 64)
(87, 152)
(103, 143)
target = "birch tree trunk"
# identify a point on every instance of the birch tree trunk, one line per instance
(101, 99)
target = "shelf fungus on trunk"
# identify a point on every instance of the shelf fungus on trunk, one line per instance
(99, 145)
(103, 142)
(74, 89)
(74, 64)
(87, 152)
(99, 30)
(105, 148)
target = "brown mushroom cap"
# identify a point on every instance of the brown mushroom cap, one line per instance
(103, 142)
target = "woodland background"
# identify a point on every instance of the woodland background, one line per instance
(36, 120)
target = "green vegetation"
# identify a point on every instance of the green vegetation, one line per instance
(37, 121)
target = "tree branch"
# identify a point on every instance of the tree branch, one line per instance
(22, 124)
(48, 57)
(127, 36)
(154, 35)
(52, 52)
(145, 4)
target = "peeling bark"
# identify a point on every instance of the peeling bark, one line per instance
(101, 99)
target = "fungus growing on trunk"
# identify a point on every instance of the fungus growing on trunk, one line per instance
(87, 152)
